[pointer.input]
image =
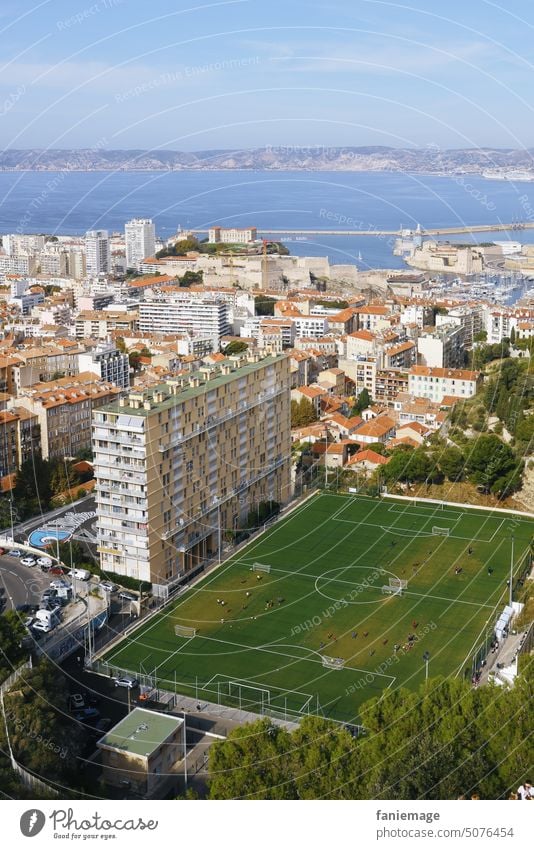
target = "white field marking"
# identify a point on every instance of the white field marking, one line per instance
(291, 656)
(413, 533)
(220, 677)
(170, 656)
(445, 514)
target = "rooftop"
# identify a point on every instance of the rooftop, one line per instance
(141, 732)
(209, 378)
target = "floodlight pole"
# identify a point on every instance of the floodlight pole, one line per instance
(185, 752)
(511, 572)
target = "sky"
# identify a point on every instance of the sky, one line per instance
(190, 75)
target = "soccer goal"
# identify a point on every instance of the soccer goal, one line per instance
(185, 631)
(333, 662)
(261, 567)
(398, 582)
(247, 695)
(389, 590)
(444, 532)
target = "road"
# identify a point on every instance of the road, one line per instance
(21, 584)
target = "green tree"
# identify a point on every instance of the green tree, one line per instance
(235, 347)
(264, 305)
(452, 463)
(252, 763)
(32, 491)
(12, 632)
(489, 460)
(44, 736)
(302, 413)
(362, 403)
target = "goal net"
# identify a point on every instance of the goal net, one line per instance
(398, 582)
(444, 532)
(185, 631)
(333, 662)
(261, 567)
(389, 590)
(247, 695)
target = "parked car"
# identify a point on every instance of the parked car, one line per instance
(58, 583)
(55, 570)
(41, 625)
(2, 551)
(90, 698)
(127, 681)
(108, 586)
(28, 622)
(80, 574)
(45, 562)
(87, 714)
(103, 725)
(28, 561)
(128, 596)
(15, 552)
(76, 701)
(25, 608)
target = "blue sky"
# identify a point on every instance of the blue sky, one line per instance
(195, 75)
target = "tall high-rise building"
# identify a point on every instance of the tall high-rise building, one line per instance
(181, 464)
(98, 259)
(140, 237)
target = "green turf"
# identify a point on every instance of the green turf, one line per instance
(329, 560)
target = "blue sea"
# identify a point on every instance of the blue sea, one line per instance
(70, 202)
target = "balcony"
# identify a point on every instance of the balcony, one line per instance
(213, 421)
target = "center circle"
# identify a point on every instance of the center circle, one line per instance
(352, 591)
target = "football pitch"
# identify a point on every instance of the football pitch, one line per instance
(308, 618)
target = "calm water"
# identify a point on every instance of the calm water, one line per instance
(75, 202)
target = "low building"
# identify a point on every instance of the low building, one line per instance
(436, 383)
(142, 752)
(379, 429)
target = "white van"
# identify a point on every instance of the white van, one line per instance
(80, 574)
(51, 618)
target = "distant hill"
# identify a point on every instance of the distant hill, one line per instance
(429, 160)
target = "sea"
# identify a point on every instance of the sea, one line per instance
(69, 202)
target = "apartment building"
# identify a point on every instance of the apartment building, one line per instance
(44, 363)
(64, 410)
(100, 324)
(19, 441)
(442, 347)
(374, 317)
(403, 355)
(499, 325)
(388, 384)
(140, 240)
(108, 363)
(437, 383)
(22, 243)
(195, 316)
(97, 251)
(180, 465)
(25, 264)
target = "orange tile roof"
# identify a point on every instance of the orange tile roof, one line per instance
(453, 373)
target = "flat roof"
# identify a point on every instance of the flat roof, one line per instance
(188, 392)
(141, 732)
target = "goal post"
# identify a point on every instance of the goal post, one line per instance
(333, 662)
(185, 631)
(437, 531)
(248, 695)
(387, 589)
(261, 567)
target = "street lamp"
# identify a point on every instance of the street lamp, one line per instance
(426, 658)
